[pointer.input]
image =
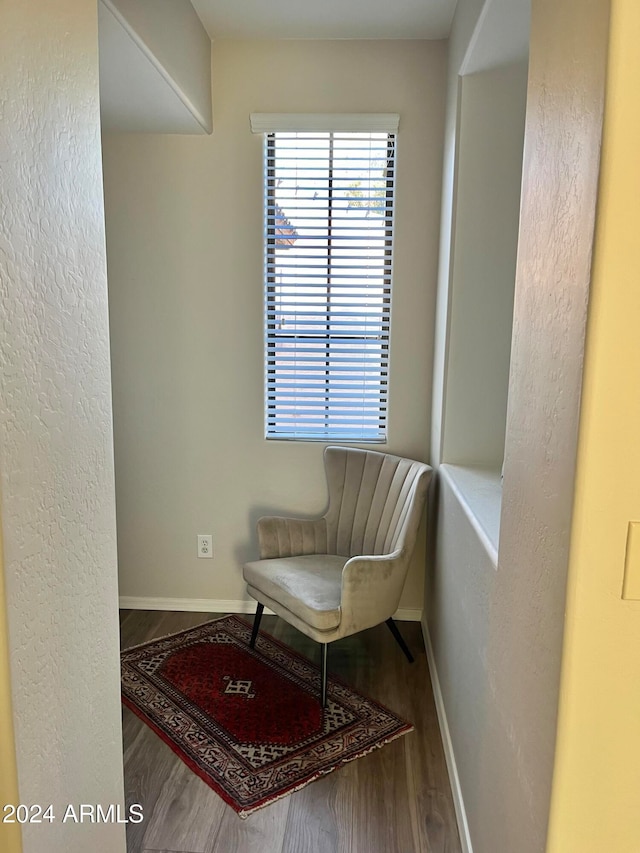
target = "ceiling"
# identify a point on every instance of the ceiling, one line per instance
(326, 19)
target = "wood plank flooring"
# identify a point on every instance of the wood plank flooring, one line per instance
(395, 800)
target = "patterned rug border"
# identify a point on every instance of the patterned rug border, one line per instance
(210, 782)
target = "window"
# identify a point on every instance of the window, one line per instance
(328, 198)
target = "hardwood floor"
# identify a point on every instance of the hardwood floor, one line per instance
(395, 800)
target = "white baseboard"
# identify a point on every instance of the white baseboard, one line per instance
(191, 605)
(408, 614)
(456, 789)
(223, 605)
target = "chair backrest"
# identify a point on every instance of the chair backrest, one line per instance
(375, 501)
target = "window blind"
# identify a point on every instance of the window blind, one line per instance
(329, 199)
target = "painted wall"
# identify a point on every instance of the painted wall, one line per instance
(171, 62)
(459, 605)
(463, 26)
(497, 632)
(56, 458)
(185, 260)
(597, 774)
(10, 834)
(491, 137)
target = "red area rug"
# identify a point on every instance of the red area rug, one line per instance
(249, 723)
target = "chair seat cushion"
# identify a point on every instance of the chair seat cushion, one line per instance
(308, 586)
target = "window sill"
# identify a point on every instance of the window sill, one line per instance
(479, 493)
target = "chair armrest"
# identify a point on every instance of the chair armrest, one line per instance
(291, 537)
(371, 589)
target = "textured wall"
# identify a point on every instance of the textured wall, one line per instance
(559, 193)
(497, 633)
(55, 423)
(597, 770)
(10, 834)
(185, 256)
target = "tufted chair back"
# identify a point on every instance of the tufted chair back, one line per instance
(375, 501)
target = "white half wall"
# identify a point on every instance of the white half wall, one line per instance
(56, 450)
(185, 258)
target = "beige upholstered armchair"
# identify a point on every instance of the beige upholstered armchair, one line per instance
(336, 575)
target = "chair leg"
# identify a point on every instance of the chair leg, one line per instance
(398, 638)
(256, 625)
(323, 674)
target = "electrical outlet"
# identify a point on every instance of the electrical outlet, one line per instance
(205, 545)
